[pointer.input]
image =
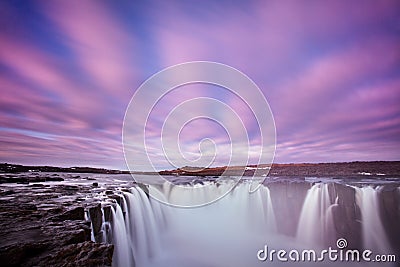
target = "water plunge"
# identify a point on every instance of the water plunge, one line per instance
(373, 232)
(230, 231)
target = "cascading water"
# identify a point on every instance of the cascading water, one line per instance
(373, 232)
(315, 226)
(123, 254)
(142, 225)
(229, 232)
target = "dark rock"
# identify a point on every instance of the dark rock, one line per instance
(14, 255)
(7, 192)
(54, 179)
(346, 216)
(390, 213)
(37, 185)
(117, 198)
(77, 213)
(27, 206)
(71, 187)
(38, 229)
(107, 213)
(74, 237)
(97, 220)
(288, 198)
(82, 254)
(95, 184)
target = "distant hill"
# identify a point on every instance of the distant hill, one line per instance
(356, 168)
(14, 168)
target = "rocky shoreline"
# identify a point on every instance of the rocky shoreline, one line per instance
(45, 225)
(56, 219)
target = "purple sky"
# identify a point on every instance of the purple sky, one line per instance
(330, 71)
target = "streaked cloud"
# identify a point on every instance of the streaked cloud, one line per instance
(330, 71)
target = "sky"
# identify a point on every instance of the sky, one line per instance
(330, 71)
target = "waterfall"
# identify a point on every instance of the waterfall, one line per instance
(230, 231)
(155, 234)
(373, 232)
(87, 217)
(316, 223)
(105, 226)
(141, 224)
(122, 253)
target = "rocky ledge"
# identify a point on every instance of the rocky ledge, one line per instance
(45, 225)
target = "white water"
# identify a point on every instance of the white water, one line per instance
(315, 227)
(373, 232)
(122, 253)
(225, 233)
(228, 232)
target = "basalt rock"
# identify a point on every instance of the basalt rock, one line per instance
(390, 212)
(46, 226)
(96, 218)
(82, 254)
(346, 216)
(107, 213)
(77, 213)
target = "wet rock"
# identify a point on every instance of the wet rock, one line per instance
(37, 185)
(288, 198)
(390, 213)
(14, 255)
(77, 236)
(346, 216)
(107, 213)
(77, 213)
(117, 198)
(7, 192)
(82, 254)
(54, 179)
(71, 187)
(27, 206)
(36, 228)
(97, 220)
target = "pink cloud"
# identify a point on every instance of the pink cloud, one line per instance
(320, 88)
(103, 48)
(327, 69)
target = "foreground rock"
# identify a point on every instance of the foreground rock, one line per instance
(46, 226)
